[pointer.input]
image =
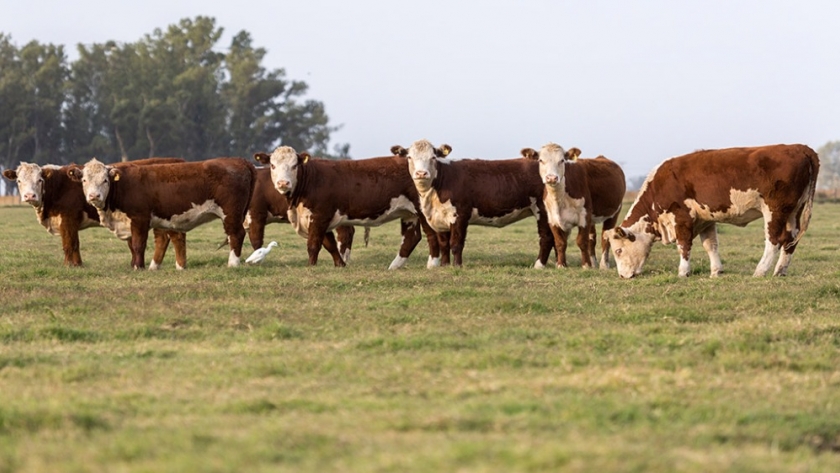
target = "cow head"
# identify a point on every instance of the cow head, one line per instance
(284, 163)
(630, 249)
(552, 159)
(30, 181)
(96, 179)
(422, 161)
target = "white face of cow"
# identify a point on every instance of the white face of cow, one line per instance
(284, 162)
(422, 161)
(630, 250)
(96, 182)
(552, 160)
(30, 182)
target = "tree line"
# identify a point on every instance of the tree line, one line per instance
(169, 94)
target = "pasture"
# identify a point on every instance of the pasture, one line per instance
(493, 367)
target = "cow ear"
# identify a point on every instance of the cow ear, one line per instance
(115, 174)
(75, 173)
(304, 157)
(620, 232)
(529, 153)
(443, 151)
(262, 158)
(572, 154)
(398, 150)
(10, 174)
(46, 172)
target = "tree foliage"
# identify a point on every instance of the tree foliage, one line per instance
(171, 93)
(829, 177)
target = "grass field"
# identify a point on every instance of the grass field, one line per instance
(493, 367)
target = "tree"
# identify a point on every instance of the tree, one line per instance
(32, 82)
(829, 177)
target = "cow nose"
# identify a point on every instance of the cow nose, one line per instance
(421, 174)
(93, 196)
(282, 184)
(28, 197)
(551, 179)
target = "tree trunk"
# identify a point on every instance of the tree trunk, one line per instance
(124, 155)
(151, 143)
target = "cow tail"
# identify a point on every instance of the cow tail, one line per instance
(805, 218)
(367, 236)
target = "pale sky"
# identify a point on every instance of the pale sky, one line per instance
(636, 81)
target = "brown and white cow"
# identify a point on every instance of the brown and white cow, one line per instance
(579, 193)
(688, 195)
(176, 197)
(269, 206)
(475, 192)
(61, 208)
(325, 194)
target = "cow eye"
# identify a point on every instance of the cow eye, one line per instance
(618, 252)
(272, 166)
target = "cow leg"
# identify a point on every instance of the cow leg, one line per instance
(560, 243)
(344, 239)
(583, 242)
(256, 231)
(609, 224)
(771, 246)
(235, 230)
(410, 230)
(161, 244)
(137, 243)
(70, 243)
(709, 239)
(436, 245)
(443, 239)
(787, 235)
(315, 238)
(179, 243)
(546, 238)
(331, 246)
(684, 237)
(457, 239)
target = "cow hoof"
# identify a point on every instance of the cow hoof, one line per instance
(433, 262)
(398, 262)
(539, 265)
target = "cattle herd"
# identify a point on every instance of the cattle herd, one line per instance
(681, 198)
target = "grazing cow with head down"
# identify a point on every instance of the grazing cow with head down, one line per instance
(688, 195)
(61, 208)
(324, 194)
(176, 197)
(269, 206)
(478, 192)
(579, 193)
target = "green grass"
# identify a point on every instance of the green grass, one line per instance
(492, 367)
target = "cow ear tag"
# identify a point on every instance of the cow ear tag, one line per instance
(306, 159)
(445, 151)
(116, 177)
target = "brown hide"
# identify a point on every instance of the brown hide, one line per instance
(63, 199)
(778, 172)
(360, 190)
(603, 185)
(167, 190)
(267, 200)
(494, 189)
(688, 195)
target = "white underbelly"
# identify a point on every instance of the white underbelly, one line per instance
(504, 220)
(301, 217)
(117, 222)
(186, 221)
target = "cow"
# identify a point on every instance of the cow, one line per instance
(689, 195)
(478, 192)
(61, 208)
(269, 206)
(176, 197)
(324, 194)
(579, 193)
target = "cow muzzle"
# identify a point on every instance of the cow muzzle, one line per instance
(283, 186)
(96, 200)
(421, 175)
(32, 199)
(552, 179)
